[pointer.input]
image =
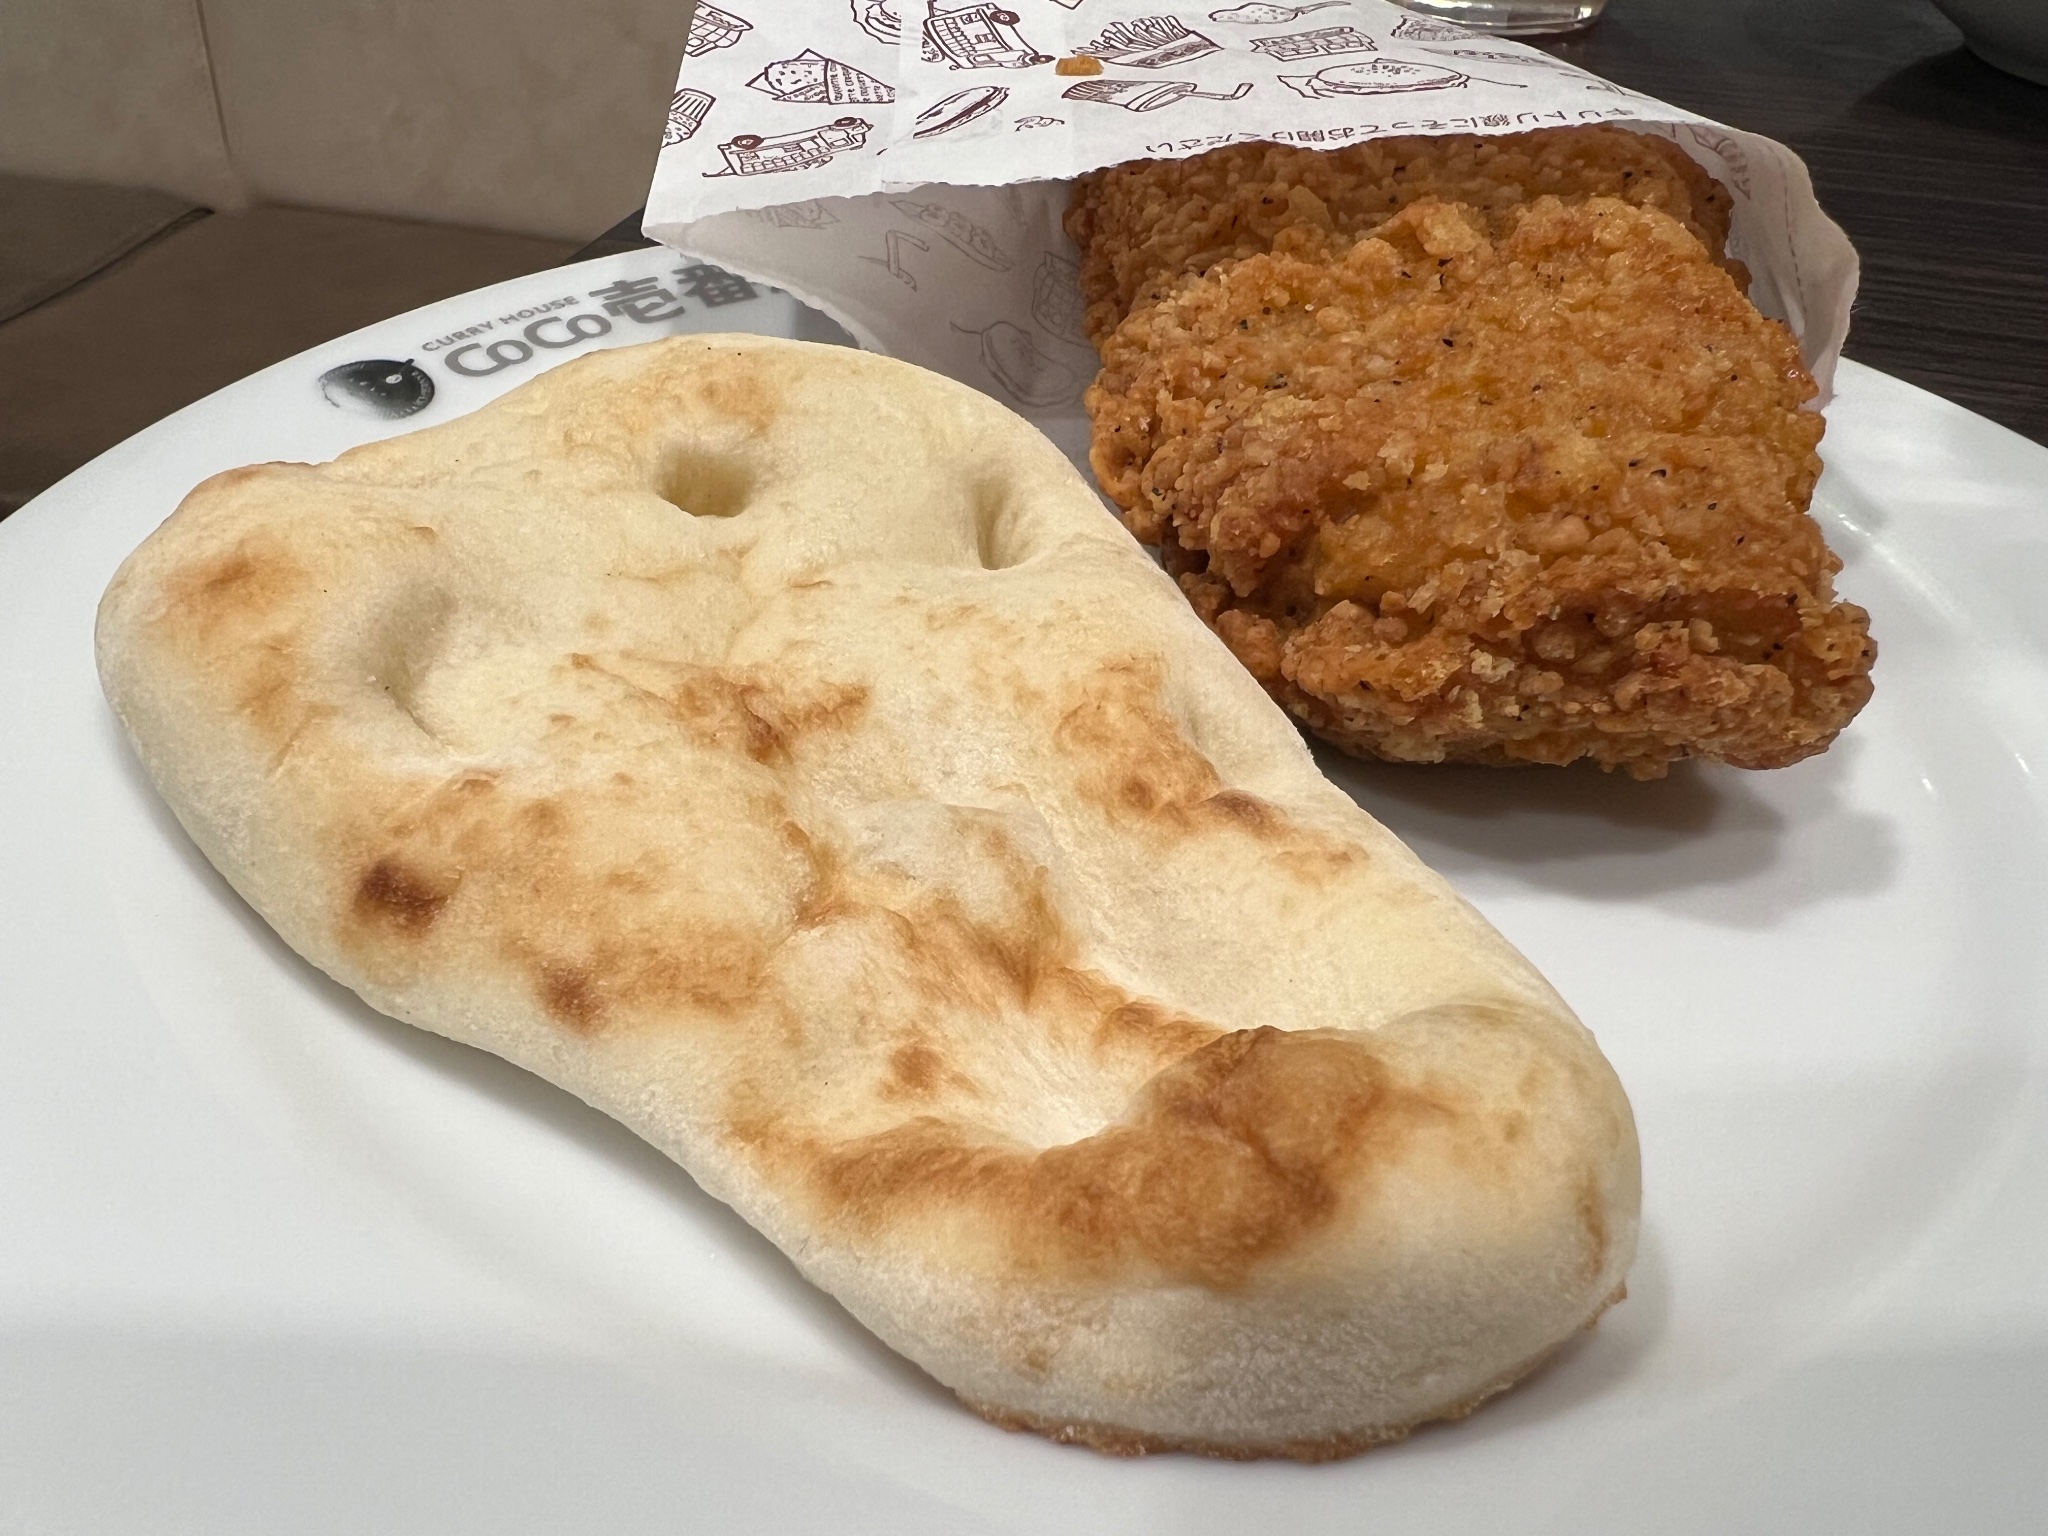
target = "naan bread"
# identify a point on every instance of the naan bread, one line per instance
(781, 749)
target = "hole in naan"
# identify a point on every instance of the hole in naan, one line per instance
(706, 484)
(996, 541)
(407, 641)
(452, 665)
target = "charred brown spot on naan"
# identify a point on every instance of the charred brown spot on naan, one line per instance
(242, 611)
(948, 956)
(1016, 956)
(919, 1070)
(1254, 814)
(570, 995)
(1136, 763)
(913, 1071)
(249, 584)
(1142, 770)
(396, 897)
(777, 719)
(1124, 1023)
(824, 898)
(1236, 1153)
(951, 987)
(735, 709)
(750, 707)
(595, 918)
(712, 974)
(995, 971)
(742, 398)
(716, 973)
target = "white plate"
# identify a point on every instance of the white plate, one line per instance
(270, 1262)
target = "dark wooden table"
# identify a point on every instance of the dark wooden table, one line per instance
(1935, 163)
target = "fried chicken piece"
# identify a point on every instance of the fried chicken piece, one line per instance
(1143, 225)
(1494, 487)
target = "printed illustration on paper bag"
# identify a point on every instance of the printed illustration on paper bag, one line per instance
(1426, 29)
(878, 19)
(1150, 42)
(712, 28)
(977, 36)
(1375, 77)
(753, 154)
(1024, 369)
(685, 116)
(958, 231)
(1257, 15)
(958, 110)
(1734, 158)
(1056, 301)
(1148, 95)
(892, 261)
(1319, 44)
(811, 77)
(1502, 56)
(810, 214)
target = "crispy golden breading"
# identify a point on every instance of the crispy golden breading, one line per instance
(1495, 488)
(1145, 224)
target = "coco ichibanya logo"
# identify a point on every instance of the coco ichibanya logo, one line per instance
(389, 388)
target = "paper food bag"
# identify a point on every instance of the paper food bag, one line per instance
(903, 164)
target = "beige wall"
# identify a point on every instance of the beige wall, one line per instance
(540, 116)
(115, 91)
